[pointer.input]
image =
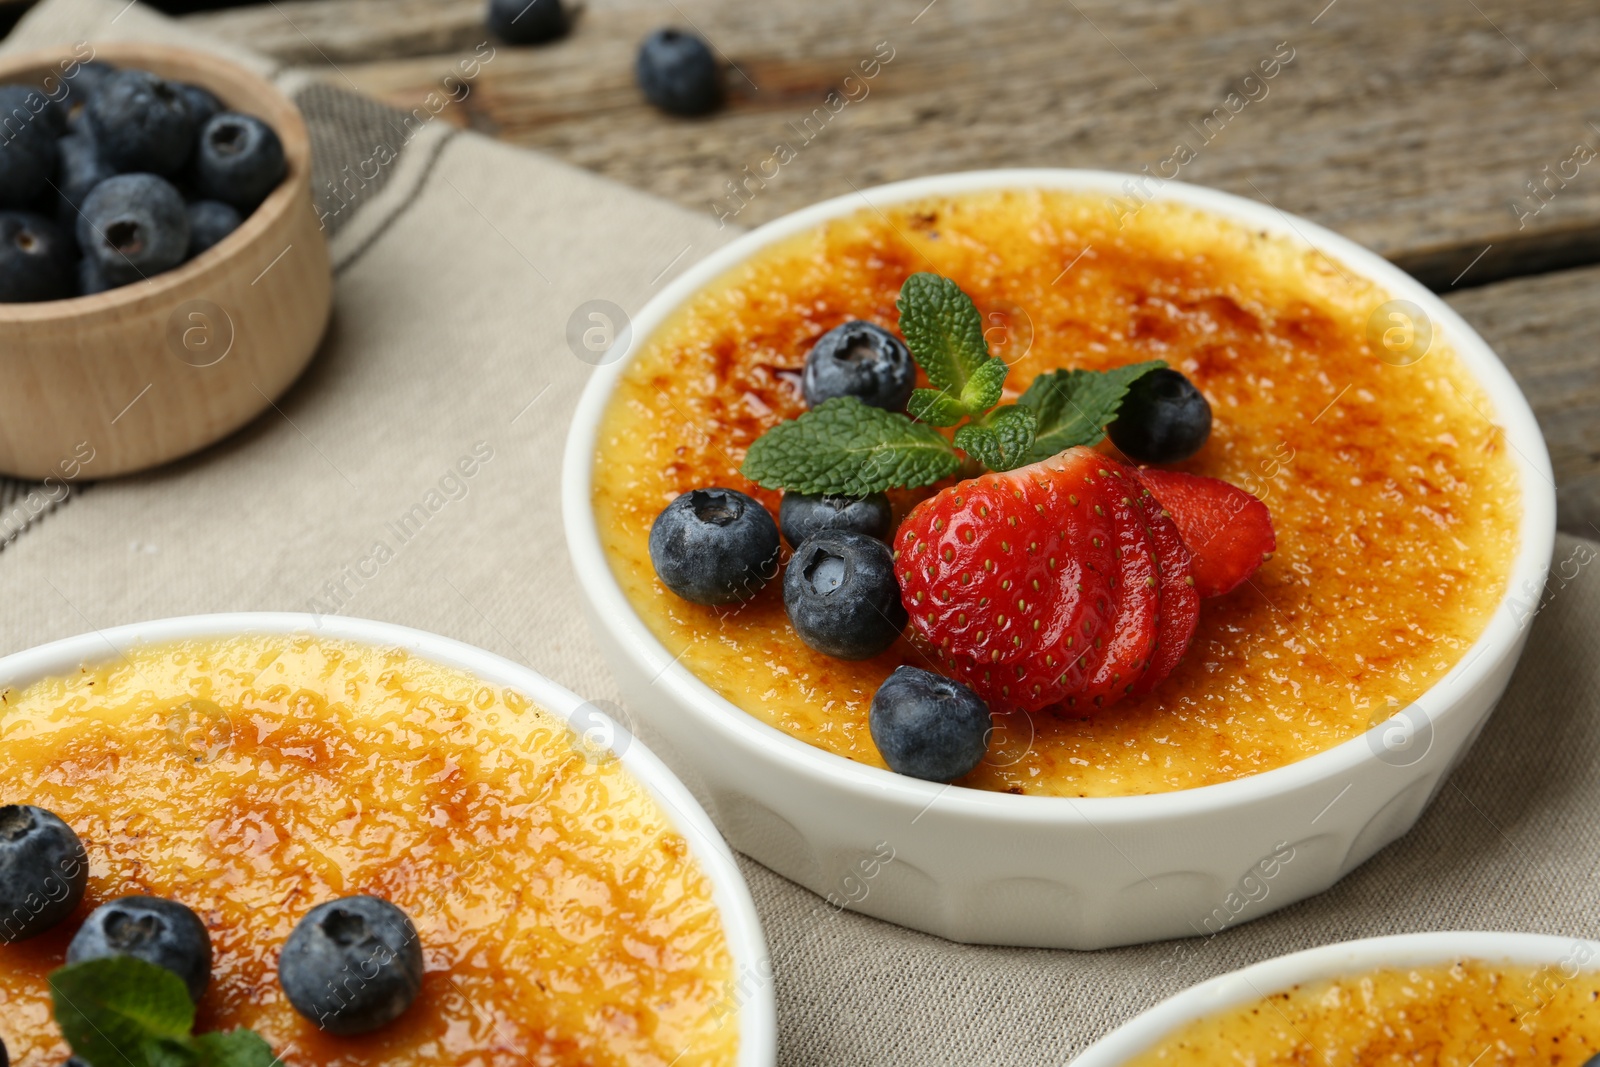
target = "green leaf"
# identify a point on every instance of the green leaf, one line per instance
(234, 1048)
(171, 1052)
(943, 329)
(124, 1012)
(112, 1010)
(845, 448)
(935, 408)
(1074, 406)
(983, 389)
(1003, 441)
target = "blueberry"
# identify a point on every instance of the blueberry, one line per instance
(134, 226)
(81, 168)
(714, 546)
(81, 85)
(209, 222)
(352, 965)
(27, 149)
(158, 931)
(527, 21)
(800, 516)
(863, 360)
(677, 73)
(43, 871)
(36, 259)
(240, 161)
(51, 112)
(142, 123)
(88, 78)
(1163, 419)
(928, 726)
(841, 594)
(90, 280)
(203, 103)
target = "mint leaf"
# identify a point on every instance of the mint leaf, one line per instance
(983, 389)
(171, 1052)
(845, 448)
(234, 1048)
(943, 329)
(935, 408)
(1001, 442)
(1074, 406)
(124, 1012)
(111, 1010)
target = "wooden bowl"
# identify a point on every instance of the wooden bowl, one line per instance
(124, 380)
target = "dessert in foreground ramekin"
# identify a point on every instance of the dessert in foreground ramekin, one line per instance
(1447, 999)
(562, 915)
(1453, 1014)
(1396, 507)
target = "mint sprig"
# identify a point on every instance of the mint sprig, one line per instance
(844, 447)
(129, 1013)
(1075, 406)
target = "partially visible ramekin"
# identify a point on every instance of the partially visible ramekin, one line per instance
(1059, 872)
(1332, 961)
(752, 995)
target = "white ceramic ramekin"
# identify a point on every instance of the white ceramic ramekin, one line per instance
(1051, 871)
(1568, 955)
(750, 1001)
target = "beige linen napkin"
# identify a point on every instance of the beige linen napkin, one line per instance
(456, 277)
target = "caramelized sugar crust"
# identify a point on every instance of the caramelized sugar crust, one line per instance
(562, 918)
(1396, 507)
(1470, 1013)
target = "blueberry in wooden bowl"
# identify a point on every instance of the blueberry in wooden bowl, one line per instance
(136, 326)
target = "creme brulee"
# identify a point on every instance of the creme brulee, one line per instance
(1471, 1013)
(1396, 508)
(562, 918)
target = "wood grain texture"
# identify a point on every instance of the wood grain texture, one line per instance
(1540, 327)
(136, 376)
(1410, 127)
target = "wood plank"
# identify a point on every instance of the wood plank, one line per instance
(1540, 328)
(1413, 128)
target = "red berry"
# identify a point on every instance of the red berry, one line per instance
(1228, 532)
(1034, 584)
(1180, 602)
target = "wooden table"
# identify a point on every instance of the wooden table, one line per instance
(1460, 138)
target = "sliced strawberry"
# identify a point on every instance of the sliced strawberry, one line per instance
(1180, 603)
(1014, 578)
(1228, 532)
(1129, 642)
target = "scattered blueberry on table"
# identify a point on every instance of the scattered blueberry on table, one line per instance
(354, 935)
(677, 73)
(863, 360)
(153, 929)
(1163, 419)
(841, 595)
(44, 870)
(527, 21)
(928, 726)
(714, 546)
(123, 176)
(800, 516)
